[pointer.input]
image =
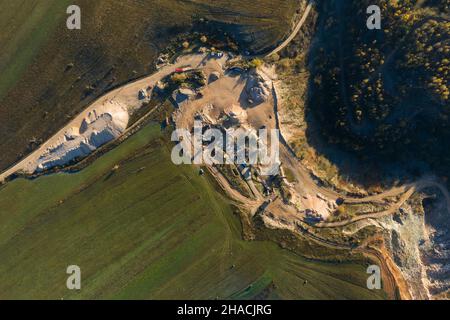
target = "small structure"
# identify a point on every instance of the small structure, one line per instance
(313, 216)
(162, 60)
(321, 197)
(142, 94)
(183, 69)
(199, 95)
(159, 87)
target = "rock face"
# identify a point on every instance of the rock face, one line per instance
(405, 232)
(94, 131)
(420, 245)
(257, 89)
(435, 250)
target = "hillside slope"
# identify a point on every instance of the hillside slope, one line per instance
(383, 94)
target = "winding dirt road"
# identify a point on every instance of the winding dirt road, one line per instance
(306, 183)
(412, 188)
(296, 30)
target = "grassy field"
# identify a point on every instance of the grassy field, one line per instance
(48, 73)
(149, 229)
(22, 39)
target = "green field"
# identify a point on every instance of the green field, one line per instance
(148, 230)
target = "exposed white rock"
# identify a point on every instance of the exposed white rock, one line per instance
(419, 243)
(257, 89)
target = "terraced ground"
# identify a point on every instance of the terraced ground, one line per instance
(148, 229)
(48, 74)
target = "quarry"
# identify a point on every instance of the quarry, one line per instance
(218, 90)
(225, 150)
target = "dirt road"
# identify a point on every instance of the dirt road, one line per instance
(412, 188)
(296, 30)
(126, 95)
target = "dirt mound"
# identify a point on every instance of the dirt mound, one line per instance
(257, 89)
(97, 128)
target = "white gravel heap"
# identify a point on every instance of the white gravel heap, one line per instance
(257, 88)
(95, 130)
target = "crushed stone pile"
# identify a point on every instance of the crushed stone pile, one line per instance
(95, 130)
